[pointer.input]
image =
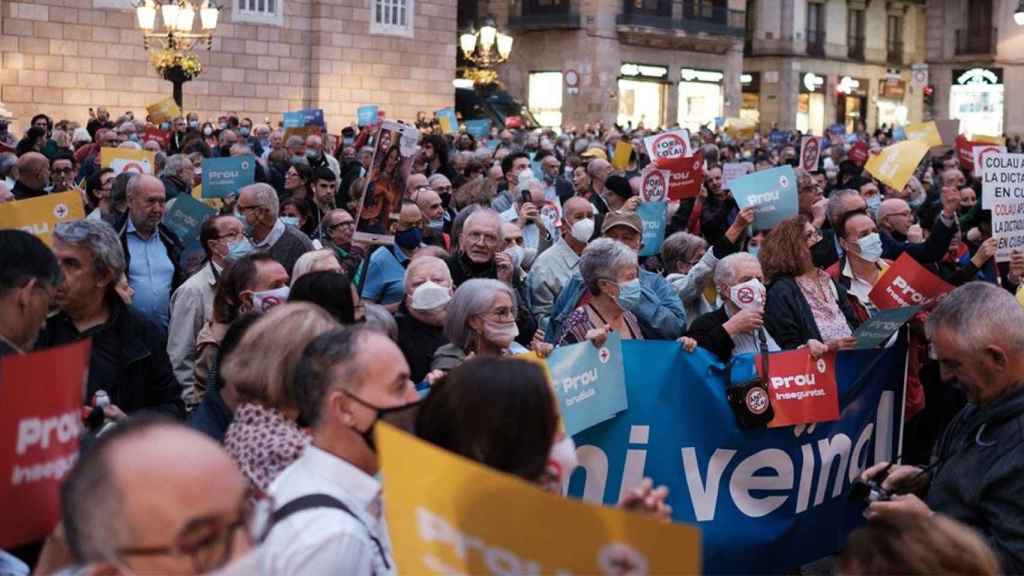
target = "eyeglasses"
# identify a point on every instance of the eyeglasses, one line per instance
(230, 235)
(337, 225)
(61, 171)
(482, 238)
(208, 542)
(505, 312)
(247, 208)
(518, 241)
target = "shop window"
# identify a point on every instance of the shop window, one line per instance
(545, 98)
(392, 17)
(641, 103)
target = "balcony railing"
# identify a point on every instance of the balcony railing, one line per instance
(894, 53)
(696, 18)
(976, 41)
(569, 20)
(815, 42)
(855, 48)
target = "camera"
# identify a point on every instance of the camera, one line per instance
(871, 490)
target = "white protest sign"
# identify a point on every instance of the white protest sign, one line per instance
(1003, 193)
(733, 170)
(670, 145)
(978, 154)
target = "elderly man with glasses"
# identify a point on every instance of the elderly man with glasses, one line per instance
(259, 206)
(338, 227)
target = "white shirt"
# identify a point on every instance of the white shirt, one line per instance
(272, 237)
(860, 288)
(327, 540)
(746, 342)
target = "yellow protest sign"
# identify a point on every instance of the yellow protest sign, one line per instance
(982, 139)
(40, 215)
(620, 160)
(126, 159)
(895, 164)
(925, 132)
(301, 131)
(739, 128)
(437, 503)
(163, 111)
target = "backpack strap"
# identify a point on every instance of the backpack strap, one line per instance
(312, 501)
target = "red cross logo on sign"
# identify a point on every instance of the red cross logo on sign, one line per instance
(60, 211)
(604, 355)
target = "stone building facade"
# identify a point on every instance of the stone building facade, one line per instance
(62, 57)
(812, 64)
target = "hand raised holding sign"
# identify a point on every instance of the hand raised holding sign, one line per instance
(985, 252)
(598, 335)
(647, 499)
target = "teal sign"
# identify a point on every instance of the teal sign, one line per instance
(589, 382)
(478, 128)
(366, 115)
(876, 330)
(653, 215)
(184, 217)
(226, 176)
(771, 192)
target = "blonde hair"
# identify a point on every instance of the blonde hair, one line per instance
(262, 367)
(315, 261)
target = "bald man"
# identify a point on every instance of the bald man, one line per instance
(553, 267)
(893, 229)
(415, 182)
(432, 209)
(33, 176)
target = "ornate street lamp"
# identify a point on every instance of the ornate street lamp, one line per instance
(171, 48)
(478, 45)
(1018, 14)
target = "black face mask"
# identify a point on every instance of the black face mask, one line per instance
(225, 151)
(402, 417)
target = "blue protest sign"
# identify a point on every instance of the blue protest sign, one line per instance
(225, 176)
(366, 115)
(653, 215)
(778, 136)
(766, 500)
(447, 119)
(837, 129)
(588, 382)
(772, 192)
(881, 326)
(899, 133)
(305, 117)
(293, 119)
(478, 128)
(184, 217)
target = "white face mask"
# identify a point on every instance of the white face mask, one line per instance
(748, 295)
(583, 230)
(430, 296)
(501, 334)
(516, 253)
(561, 462)
(266, 299)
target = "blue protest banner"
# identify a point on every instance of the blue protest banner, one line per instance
(588, 382)
(881, 326)
(766, 500)
(293, 119)
(778, 136)
(837, 129)
(304, 117)
(772, 192)
(184, 217)
(366, 115)
(225, 176)
(478, 128)
(653, 215)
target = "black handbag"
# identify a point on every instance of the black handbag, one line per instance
(750, 400)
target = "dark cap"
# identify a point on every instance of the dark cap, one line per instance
(622, 218)
(619, 186)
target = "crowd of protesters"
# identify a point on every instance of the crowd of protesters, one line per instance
(273, 359)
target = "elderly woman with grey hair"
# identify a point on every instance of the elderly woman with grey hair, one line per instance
(481, 320)
(612, 276)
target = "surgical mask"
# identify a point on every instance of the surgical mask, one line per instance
(243, 131)
(402, 417)
(133, 137)
(165, 126)
(437, 224)
(223, 125)
(561, 462)
(193, 124)
(501, 333)
(348, 141)
(873, 203)
(312, 154)
(748, 295)
(266, 299)
(208, 131)
(296, 159)
(430, 296)
(870, 247)
(583, 230)
(410, 238)
(239, 249)
(753, 249)
(516, 253)
(290, 220)
(915, 204)
(629, 293)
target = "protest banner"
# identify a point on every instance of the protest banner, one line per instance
(653, 215)
(802, 388)
(588, 382)
(978, 154)
(740, 128)
(185, 215)
(226, 176)
(367, 115)
(447, 119)
(450, 515)
(895, 164)
(686, 175)
(771, 192)
(965, 152)
(810, 152)
(1003, 193)
(907, 283)
(40, 215)
(127, 160)
(927, 132)
(163, 111)
(395, 145)
(778, 137)
(671, 145)
(478, 129)
(163, 137)
(877, 329)
(992, 140)
(769, 489)
(654, 184)
(623, 150)
(733, 170)
(304, 117)
(41, 399)
(858, 153)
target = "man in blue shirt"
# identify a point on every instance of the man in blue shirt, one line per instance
(385, 273)
(151, 250)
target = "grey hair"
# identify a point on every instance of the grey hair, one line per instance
(484, 212)
(438, 177)
(265, 195)
(160, 160)
(835, 204)
(601, 259)
(680, 246)
(977, 315)
(175, 164)
(380, 320)
(240, 149)
(294, 141)
(725, 270)
(119, 189)
(99, 238)
(473, 298)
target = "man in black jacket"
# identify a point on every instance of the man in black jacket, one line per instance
(421, 316)
(977, 474)
(129, 353)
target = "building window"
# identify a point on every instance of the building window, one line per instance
(815, 29)
(894, 40)
(545, 98)
(855, 34)
(117, 4)
(258, 12)
(392, 17)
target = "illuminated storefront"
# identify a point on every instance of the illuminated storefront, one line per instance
(810, 114)
(976, 99)
(700, 97)
(891, 109)
(545, 98)
(642, 95)
(852, 102)
(750, 107)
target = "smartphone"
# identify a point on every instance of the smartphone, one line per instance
(526, 196)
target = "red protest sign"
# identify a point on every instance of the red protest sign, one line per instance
(907, 283)
(654, 185)
(810, 151)
(686, 175)
(802, 388)
(859, 153)
(41, 397)
(161, 136)
(964, 152)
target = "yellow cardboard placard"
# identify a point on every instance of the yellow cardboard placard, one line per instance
(925, 132)
(163, 111)
(620, 160)
(121, 159)
(982, 139)
(436, 502)
(895, 164)
(303, 131)
(739, 128)
(40, 215)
